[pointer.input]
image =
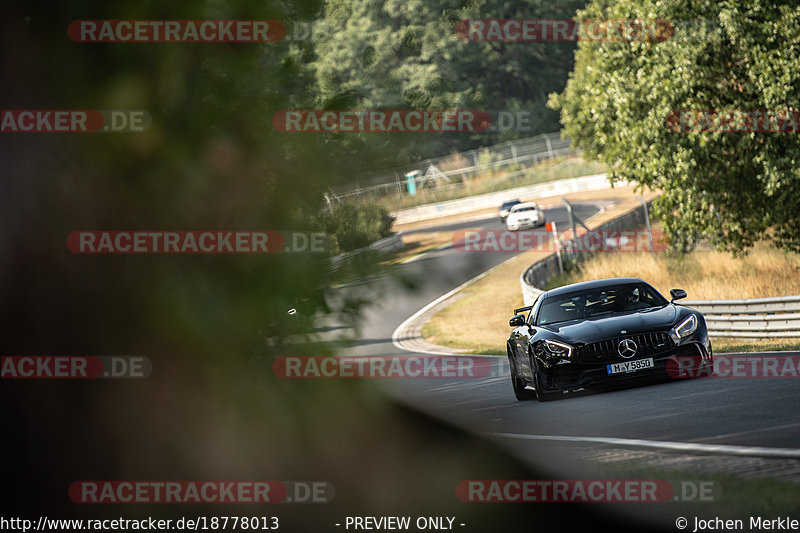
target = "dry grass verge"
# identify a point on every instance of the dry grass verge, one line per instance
(705, 275)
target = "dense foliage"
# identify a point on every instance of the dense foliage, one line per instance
(353, 225)
(620, 105)
(372, 54)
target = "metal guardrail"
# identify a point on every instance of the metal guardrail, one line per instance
(521, 152)
(751, 318)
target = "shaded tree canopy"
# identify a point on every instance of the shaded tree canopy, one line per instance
(623, 104)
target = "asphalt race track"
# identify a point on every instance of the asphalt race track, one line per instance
(738, 426)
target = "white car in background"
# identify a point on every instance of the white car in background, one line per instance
(525, 215)
(505, 209)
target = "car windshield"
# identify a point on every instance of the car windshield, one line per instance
(598, 302)
(508, 205)
(520, 209)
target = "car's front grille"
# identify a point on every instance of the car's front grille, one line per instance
(647, 344)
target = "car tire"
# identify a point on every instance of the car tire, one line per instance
(518, 384)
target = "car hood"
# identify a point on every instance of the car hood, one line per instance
(524, 214)
(607, 327)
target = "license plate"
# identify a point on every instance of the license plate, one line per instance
(630, 366)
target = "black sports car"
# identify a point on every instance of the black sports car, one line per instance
(605, 331)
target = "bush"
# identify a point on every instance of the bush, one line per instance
(352, 225)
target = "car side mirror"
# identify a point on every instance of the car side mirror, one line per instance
(677, 294)
(517, 320)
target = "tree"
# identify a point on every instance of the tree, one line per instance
(408, 55)
(353, 225)
(622, 99)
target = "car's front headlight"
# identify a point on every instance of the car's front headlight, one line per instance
(557, 349)
(684, 329)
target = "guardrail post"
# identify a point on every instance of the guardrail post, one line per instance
(399, 192)
(647, 223)
(575, 241)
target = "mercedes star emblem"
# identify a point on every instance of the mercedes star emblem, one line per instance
(626, 348)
